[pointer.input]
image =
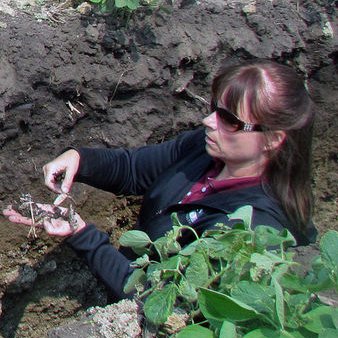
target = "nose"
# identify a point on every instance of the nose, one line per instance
(210, 121)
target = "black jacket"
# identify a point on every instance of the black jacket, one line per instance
(163, 173)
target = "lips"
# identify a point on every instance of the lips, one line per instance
(209, 140)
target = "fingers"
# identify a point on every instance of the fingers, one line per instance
(67, 164)
(60, 199)
(51, 208)
(50, 174)
(57, 227)
(8, 211)
(60, 227)
(68, 180)
(53, 226)
(14, 217)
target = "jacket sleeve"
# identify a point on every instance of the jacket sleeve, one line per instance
(104, 260)
(132, 171)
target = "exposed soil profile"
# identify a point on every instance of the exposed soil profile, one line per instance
(71, 77)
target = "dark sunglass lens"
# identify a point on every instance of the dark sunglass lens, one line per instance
(229, 120)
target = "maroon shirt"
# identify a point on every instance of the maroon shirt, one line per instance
(209, 185)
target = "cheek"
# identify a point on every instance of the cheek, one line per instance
(250, 144)
(256, 144)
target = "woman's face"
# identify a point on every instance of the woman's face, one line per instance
(243, 149)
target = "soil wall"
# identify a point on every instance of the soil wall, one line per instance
(86, 79)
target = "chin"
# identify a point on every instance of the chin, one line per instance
(211, 152)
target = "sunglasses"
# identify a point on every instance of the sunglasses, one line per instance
(233, 124)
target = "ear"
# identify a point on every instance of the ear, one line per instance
(275, 140)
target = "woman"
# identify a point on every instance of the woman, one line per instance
(255, 148)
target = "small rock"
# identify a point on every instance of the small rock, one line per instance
(249, 9)
(120, 320)
(85, 8)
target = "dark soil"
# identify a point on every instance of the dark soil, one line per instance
(126, 76)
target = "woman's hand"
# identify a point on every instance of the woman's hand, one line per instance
(53, 226)
(67, 164)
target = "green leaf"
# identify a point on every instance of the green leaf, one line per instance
(280, 309)
(142, 251)
(268, 333)
(154, 276)
(328, 249)
(318, 279)
(174, 247)
(197, 272)
(135, 280)
(159, 304)
(218, 306)
(328, 246)
(302, 333)
(141, 261)
(135, 238)
(131, 4)
(285, 334)
(287, 238)
(189, 249)
(335, 319)
(295, 304)
(234, 241)
(160, 245)
(195, 331)
(263, 264)
(187, 291)
(215, 248)
(228, 330)
(260, 297)
(262, 333)
(243, 213)
(293, 282)
(230, 235)
(266, 236)
(168, 244)
(328, 333)
(320, 318)
(167, 268)
(172, 263)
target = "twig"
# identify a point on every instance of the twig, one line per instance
(117, 85)
(195, 96)
(73, 109)
(32, 232)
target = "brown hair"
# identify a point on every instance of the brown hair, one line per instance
(278, 99)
